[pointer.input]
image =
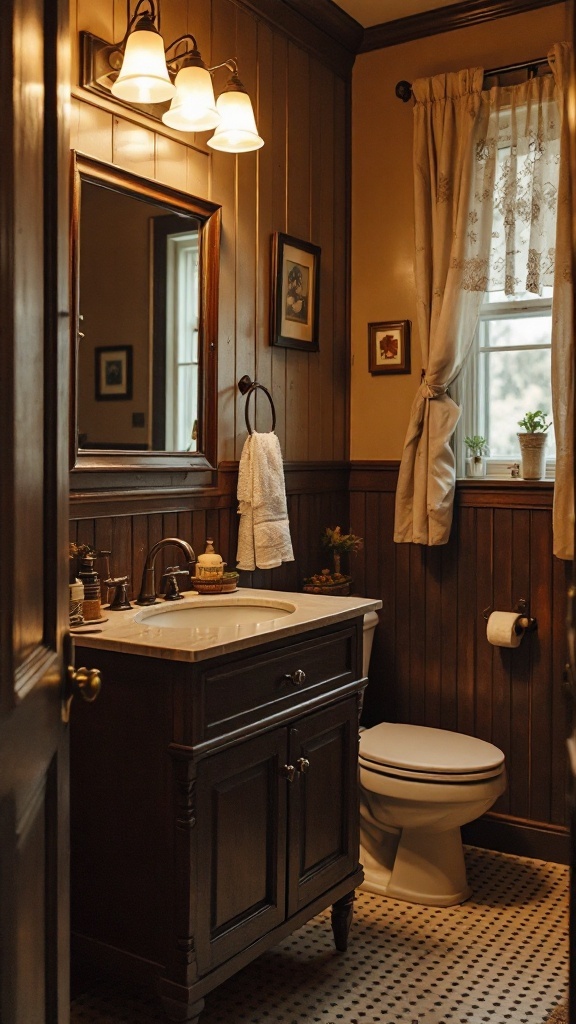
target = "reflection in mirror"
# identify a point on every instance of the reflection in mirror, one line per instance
(146, 299)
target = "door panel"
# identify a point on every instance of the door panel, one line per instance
(34, 86)
(241, 810)
(323, 811)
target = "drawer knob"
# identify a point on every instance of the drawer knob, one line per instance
(302, 765)
(297, 678)
(288, 772)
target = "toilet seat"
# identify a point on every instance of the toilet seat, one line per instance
(422, 754)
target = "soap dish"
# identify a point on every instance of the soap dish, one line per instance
(225, 584)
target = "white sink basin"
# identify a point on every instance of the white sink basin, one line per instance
(215, 612)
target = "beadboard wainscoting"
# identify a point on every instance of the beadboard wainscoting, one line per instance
(432, 664)
(129, 524)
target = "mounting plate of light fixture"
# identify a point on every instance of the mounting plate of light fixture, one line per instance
(170, 83)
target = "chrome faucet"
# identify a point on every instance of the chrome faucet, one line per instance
(147, 593)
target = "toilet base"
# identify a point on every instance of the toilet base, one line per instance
(422, 867)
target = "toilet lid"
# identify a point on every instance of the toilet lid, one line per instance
(421, 752)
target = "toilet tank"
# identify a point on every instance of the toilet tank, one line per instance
(370, 623)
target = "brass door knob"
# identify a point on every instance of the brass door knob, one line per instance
(302, 765)
(84, 682)
(288, 772)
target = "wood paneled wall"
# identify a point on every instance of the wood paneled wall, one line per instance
(317, 495)
(432, 663)
(298, 183)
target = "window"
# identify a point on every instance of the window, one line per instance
(508, 373)
(182, 355)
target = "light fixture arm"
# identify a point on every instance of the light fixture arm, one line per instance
(194, 53)
(231, 64)
(131, 20)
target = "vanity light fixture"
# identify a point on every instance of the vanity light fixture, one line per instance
(143, 76)
(140, 70)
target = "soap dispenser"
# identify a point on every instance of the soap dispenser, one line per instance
(209, 566)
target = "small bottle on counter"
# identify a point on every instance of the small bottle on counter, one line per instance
(209, 566)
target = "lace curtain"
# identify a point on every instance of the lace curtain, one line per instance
(486, 215)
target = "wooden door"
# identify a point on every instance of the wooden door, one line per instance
(323, 814)
(241, 811)
(34, 346)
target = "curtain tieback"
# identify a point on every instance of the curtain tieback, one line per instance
(428, 390)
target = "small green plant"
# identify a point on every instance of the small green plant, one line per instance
(476, 445)
(341, 542)
(535, 422)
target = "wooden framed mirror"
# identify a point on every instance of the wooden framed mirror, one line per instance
(144, 268)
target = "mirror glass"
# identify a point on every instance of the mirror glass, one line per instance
(145, 271)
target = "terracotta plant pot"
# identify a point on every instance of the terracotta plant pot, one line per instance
(533, 453)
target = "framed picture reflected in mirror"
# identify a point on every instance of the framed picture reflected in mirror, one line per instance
(113, 372)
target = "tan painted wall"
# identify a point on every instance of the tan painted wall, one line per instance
(382, 200)
(114, 305)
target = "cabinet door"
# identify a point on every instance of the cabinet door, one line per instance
(241, 815)
(323, 812)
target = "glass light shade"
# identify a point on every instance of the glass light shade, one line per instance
(193, 108)
(143, 76)
(237, 132)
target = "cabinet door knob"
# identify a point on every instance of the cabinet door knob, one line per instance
(288, 772)
(302, 765)
(297, 678)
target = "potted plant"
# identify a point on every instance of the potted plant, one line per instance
(533, 444)
(476, 460)
(334, 582)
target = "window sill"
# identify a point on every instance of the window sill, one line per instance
(504, 492)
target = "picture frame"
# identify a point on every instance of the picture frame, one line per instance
(389, 346)
(295, 302)
(113, 372)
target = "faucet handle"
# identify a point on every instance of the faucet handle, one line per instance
(120, 599)
(169, 584)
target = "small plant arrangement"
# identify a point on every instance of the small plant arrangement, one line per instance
(75, 552)
(533, 444)
(340, 544)
(477, 447)
(535, 422)
(334, 582)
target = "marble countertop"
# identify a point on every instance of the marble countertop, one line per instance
(122, 632)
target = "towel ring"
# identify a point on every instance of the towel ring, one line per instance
(247, 387)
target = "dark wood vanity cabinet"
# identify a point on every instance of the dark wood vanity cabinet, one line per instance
(214, 809)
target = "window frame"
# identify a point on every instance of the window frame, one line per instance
(471, 391)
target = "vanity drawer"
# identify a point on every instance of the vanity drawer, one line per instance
(262, 686)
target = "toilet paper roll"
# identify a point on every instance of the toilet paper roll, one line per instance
(503, 629)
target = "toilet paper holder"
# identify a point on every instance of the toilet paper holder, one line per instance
(525, 623)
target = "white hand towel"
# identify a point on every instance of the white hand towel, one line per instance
(264, 532)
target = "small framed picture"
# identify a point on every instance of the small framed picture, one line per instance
(113, 372)
(295, 293)
(389, 347)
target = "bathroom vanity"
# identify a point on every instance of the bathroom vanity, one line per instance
(214, 792)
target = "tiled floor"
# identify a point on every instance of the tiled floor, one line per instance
(499, 958)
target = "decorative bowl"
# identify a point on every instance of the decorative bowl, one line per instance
(224, 584)
(324, 583)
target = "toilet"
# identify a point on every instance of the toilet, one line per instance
(417, 787)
